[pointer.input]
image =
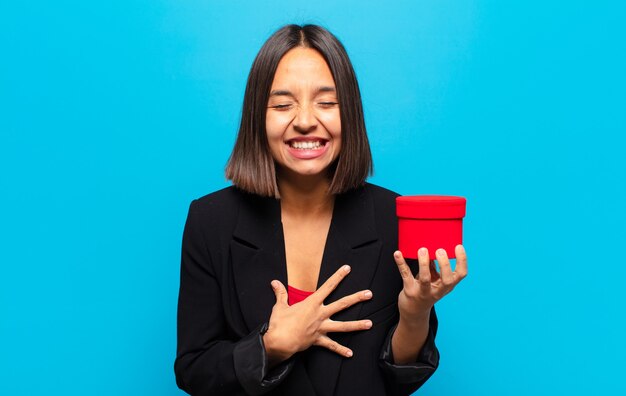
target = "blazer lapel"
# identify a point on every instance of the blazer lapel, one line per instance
(258, 257)
(352, 240)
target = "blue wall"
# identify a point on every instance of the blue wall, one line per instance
(114, 115)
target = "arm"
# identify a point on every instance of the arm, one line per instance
(418, 296)
(210, 359)
(409, 338)
(410, 356)
(406, 378)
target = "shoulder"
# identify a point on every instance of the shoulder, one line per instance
(379, 192)
(222, 201)
(217, 210)
(376, 203)
(384, 200)
(371, 196)
(222, 209)
(215, 199)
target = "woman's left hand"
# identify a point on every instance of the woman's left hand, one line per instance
(420, 293)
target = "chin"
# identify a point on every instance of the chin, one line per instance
(310, 172)
(307, 172)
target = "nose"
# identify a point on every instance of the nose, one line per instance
(305, 121)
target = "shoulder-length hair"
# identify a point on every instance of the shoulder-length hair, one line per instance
(251, 166)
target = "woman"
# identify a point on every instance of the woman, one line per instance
(288, 282)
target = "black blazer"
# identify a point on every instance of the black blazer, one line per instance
(233, 247)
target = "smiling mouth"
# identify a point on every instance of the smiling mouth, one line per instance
(307, 144)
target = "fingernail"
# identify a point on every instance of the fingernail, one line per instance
(349, 354)
(461, 248)
(274, 283)
(368, 324)
(367, 293)
(440, 252)
(422, 252)
(397, 254)
(346, 268)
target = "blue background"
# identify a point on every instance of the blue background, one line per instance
(115, 115)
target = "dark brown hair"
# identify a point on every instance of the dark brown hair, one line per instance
(251, 166)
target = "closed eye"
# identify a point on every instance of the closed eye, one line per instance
(281, 106)
(328, 104)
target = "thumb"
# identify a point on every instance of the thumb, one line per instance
(280, 292)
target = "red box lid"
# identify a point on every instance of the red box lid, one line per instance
(430, 207)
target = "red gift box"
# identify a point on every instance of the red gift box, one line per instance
(430, 221)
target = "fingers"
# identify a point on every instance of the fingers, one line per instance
(450, 278)
(461, 261)
(405, 271)
(424, 267)
(447, 278)
(326, 342)
(347, 301)
(282, 297)
(331, 326)
(332, 283)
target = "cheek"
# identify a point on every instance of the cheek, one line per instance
(277, 123)
(332, 123)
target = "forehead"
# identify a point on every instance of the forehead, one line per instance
(302, 65)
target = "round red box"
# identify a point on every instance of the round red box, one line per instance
(430, 221)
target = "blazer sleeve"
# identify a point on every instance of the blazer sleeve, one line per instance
(406, 379)
(209, 358)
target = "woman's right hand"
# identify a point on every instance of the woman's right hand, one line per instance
(295, 328)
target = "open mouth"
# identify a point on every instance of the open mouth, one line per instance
(307, 144)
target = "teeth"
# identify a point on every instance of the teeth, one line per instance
(306, 145)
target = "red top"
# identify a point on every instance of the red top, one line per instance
(296, 295)
(430, 207)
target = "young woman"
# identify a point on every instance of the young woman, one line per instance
(290, 281)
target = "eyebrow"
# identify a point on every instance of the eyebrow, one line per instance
(283, 92)
(325, 89)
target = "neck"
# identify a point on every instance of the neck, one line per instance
(305, 196)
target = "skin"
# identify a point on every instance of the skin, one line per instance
(303, 107)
